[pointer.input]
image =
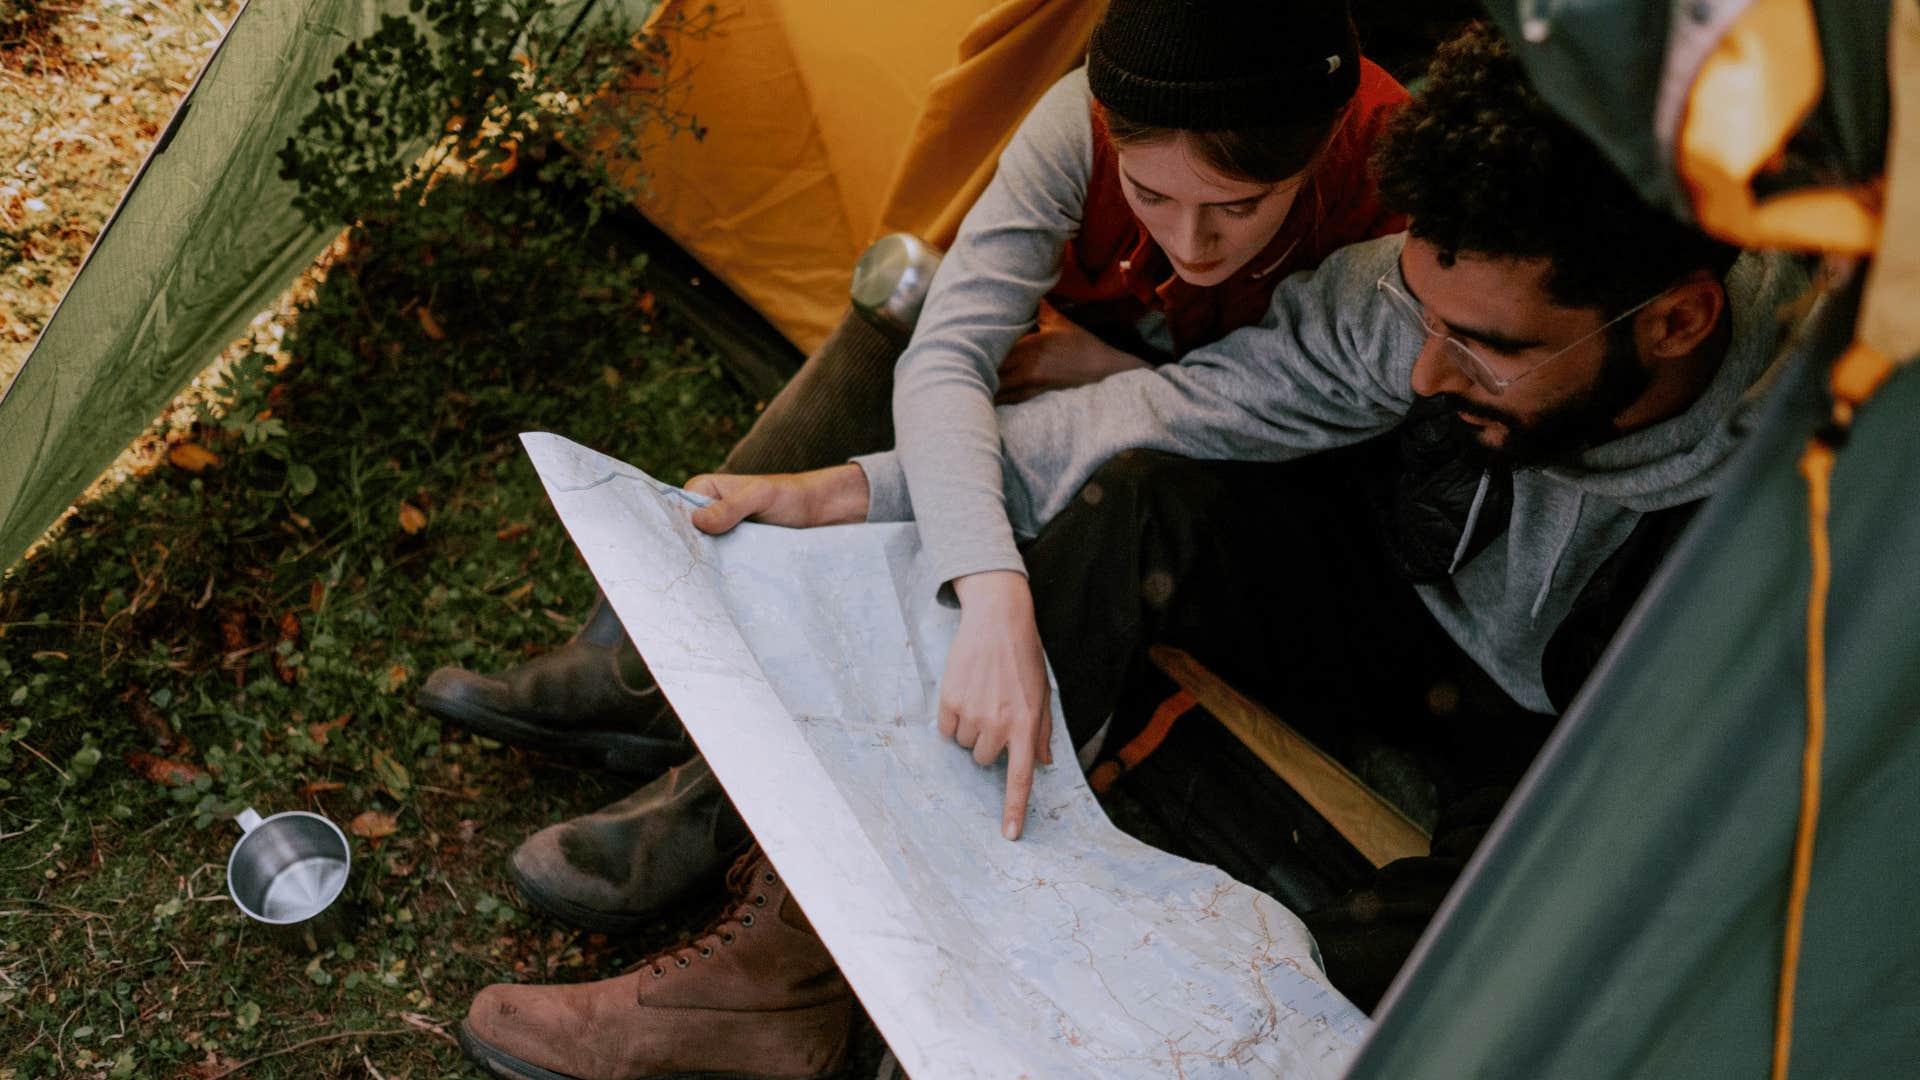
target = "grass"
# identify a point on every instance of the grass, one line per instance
(245, 626)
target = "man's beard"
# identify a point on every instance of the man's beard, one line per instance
(1559, 435)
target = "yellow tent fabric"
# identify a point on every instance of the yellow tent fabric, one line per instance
(829, 125)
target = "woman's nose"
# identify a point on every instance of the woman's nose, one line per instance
(1191, 237)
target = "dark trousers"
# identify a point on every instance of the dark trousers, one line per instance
(1269, 575)
(837, 406)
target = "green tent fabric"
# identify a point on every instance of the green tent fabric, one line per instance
(1619, 69)
(204, 239)
(1624, 919)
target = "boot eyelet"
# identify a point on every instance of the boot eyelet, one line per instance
(768, 877)
(706, 952)
(680, 961)
(747, 919)
(759, 900)
(658, 972)
(726, 939)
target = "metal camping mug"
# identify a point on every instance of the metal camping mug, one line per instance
(890, 282)
(287, 872)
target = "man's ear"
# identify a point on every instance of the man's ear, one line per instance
(1682, 319)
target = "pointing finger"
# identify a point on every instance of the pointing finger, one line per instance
(1019, 788)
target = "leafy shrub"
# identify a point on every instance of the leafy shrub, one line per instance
(477, 85)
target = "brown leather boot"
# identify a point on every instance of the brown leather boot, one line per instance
(593, 696)
(755, 996)
(613, 870)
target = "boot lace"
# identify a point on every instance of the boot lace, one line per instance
(749, 873)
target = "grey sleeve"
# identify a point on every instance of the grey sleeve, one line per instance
(1330, 365)
(984, 297)
(886, 487)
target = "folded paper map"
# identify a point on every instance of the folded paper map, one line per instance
(806, 663)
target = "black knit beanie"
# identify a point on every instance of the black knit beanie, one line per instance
(1218, 65)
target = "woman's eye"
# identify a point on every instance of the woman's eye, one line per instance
(1240, 210)
(1148, 198)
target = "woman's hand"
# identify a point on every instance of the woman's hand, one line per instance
(1058, 353)
(831, 496)
(994, 695)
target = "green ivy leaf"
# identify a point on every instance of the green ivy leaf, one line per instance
(302, 480)
(391, 774)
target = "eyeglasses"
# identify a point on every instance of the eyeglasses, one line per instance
(1475, 366)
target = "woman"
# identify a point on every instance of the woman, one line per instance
(1149, 204)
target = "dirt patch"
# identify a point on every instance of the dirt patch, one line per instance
(83, 96)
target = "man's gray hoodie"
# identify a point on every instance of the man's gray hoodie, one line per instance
(1332, 365)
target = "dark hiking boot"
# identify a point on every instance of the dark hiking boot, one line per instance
(755, 996)
(615, 868)
(592, 696)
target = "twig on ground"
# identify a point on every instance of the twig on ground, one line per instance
(455, 895)
(429, 1025)
(22, 832)
(43, 757)
(304, 1043)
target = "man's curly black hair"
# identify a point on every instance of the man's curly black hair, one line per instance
(1481, 165)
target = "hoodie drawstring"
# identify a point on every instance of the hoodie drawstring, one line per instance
(1559, 552)
(1473, 521)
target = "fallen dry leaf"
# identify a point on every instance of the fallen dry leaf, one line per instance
(163, 771)
(513, 532)
(156, 727)
(317, 596)
(320, 732)
(319, 787)
(233, 629)
(289, 631)
(373, 824)
(397, 676)
(412, 519)
(213, 1066)
(192, 457)
(429, 325)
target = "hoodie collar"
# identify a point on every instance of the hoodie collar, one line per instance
(1678, 459)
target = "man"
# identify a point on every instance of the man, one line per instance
(1507, 413)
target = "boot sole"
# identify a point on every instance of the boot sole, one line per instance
(616, 751)
(502, 1064)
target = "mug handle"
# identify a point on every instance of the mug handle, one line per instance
(248, 820)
